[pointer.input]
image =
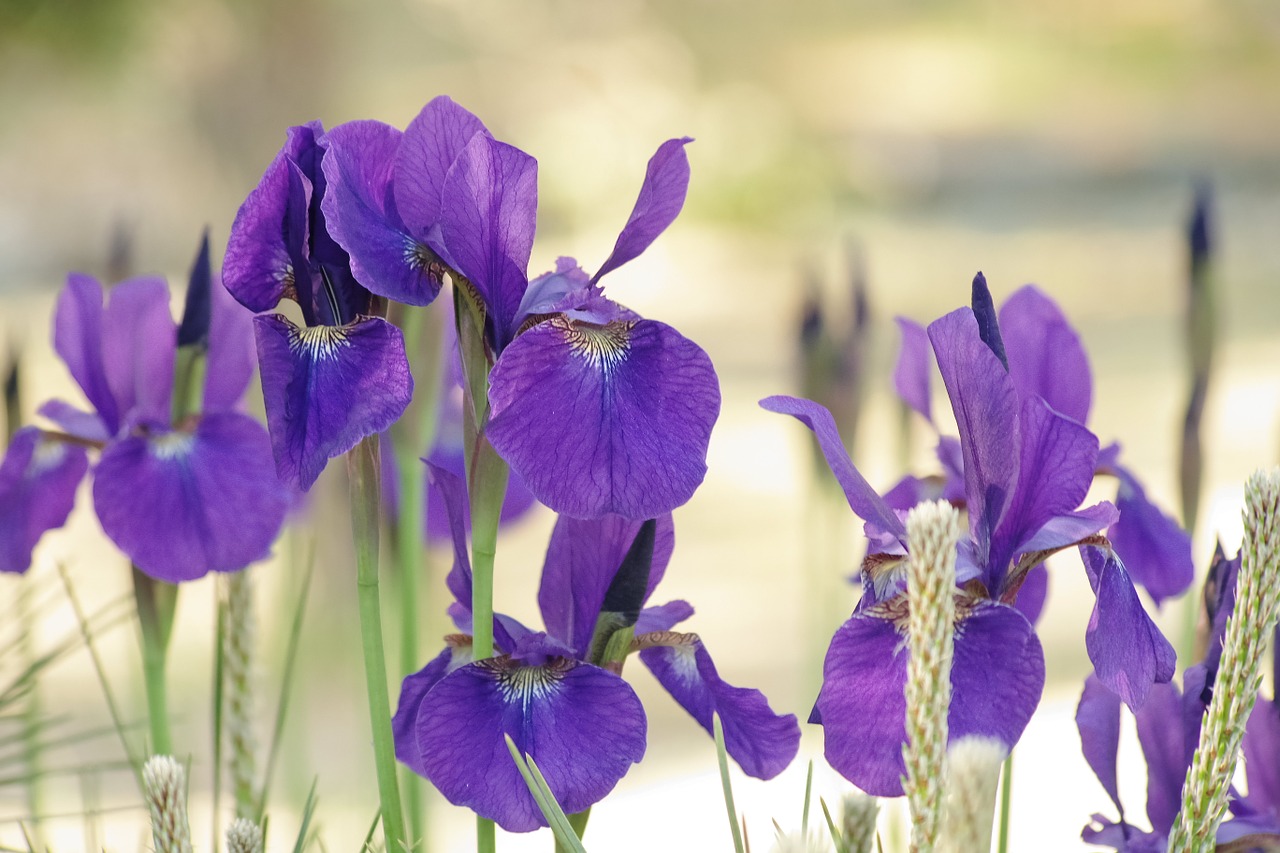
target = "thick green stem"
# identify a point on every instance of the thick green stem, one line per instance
(362, 470)
(156, 601)
(1006, 803)
(579, 823)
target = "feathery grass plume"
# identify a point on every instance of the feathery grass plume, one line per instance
(238, 642)
(932, 532)
(164, 783)
(1204, 793)
(800, 842)
(858, 824)
(244, 836)
(973, 774)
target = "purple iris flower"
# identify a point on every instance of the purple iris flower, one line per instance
(633, 399)
(1168, 728)
(1025, 470)
(1045, 358)
(556, 693)
(180, 499)
(343, 374)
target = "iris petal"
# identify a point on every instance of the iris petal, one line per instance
(584, 727)
(762, 742)
(431, 143)
(38, 481)
(605, 419)
(915, 363)
(666, 182)
(183, 504)
(1046, 357)
(997, 677)
(327, 387)
(77, 338)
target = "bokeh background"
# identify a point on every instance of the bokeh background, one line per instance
(911, 143)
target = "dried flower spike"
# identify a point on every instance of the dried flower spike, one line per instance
(164, 783)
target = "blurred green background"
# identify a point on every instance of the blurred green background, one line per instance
(1054, 143)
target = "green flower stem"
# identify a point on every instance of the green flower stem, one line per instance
(362, 470)
(1006, 803)
(413, 436)
(156, 601)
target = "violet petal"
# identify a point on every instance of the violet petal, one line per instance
(1164, 746)
(599, 420)
(666, 182)
(1262, 757)
(584, 727)
(232, 355)
(38, 480)
(1098, 720)
(914, 367)
(412, 691)
(183, 504)
(431, 143)
(327, 387)
(762, 742)
(77, 338)
(1155, 548)
(1128, 651)
(139, 339)
(1046, 357)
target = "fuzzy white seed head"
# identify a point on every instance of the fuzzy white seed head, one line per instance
(244, 836)
(973, 774)
(164, 783)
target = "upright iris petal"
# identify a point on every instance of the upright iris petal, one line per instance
(344, 375)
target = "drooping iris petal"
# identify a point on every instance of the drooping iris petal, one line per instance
(73, 421)
(1122, 836)
(361, 214)
(488, 214)
(1164, 746)
(77, 338)
(582, 559)
(1155, 548)
(583, 726)
(863, 499)
(1128, 651)
(762, 742)
(38, 481)
(412, 691)
(1069, 528)
(663, 617)
(139, 338)
(1098, 719)
(986, 407)
(997, 676)
(327, 387)
(613, 419)
(1046, 357)
(516, 502)
(271, 230)
(666, 182)
(915, 364)
(182, 504)
(430, 145)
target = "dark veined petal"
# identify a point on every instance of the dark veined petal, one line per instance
(1046, 357)
(431, 144)
(666, 182)
(1155, 548)
(762, 742)
(327, 387)
(1098, 719)
(182, 504)
(863, 499)
(413, 690)
(986, 410)
(139, 339)
(1055, 469)
(77, 338)
(582, 559)
(584, 727)
(996, 680)
(270, 234)
(915, 364)
(1163, 736)
(361, 216)
(605, 419)
(1128, 651)
(488, 216)
(38, 481)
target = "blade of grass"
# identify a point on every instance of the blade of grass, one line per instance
(837, 839)
(368, 837)
(308, 811)
(218, 679)
(808, 795)
(566, 838)
(134, 761)
(723, 759)
(286, 681)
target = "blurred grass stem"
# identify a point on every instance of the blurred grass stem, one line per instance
(156, 602)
